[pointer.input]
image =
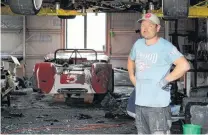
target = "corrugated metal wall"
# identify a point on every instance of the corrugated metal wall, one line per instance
(43, 36)
(123, 25)
(11, 34)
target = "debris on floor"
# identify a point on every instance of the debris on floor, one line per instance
(51, 120)
(115, 105)
(83, 116)
(16, 114)
(36, 113)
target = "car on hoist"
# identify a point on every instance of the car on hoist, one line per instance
(75, 73)
(171, 8)
(32, 7)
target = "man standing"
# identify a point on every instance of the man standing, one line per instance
(149, 66)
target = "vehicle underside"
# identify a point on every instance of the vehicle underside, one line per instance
(32, 7)
(107, 5)
(62, 8)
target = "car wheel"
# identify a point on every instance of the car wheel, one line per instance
(25, 7)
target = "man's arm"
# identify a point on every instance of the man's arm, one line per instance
(182, 66)
(131, 70)
(173, 56)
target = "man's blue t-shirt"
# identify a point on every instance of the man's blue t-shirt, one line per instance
(152, 64)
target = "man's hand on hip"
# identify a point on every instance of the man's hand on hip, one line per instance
(164, 84)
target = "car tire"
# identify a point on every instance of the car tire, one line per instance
(25, 7)
(98, 98)
(111, 83)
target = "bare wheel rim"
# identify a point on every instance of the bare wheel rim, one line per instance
(37, 4)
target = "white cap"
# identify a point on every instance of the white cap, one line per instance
(150, 17)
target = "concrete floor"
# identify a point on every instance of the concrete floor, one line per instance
(34, 113)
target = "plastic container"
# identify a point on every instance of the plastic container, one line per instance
(191, 129)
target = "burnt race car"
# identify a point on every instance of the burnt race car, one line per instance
(75, 72)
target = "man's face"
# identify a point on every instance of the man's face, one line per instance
(149, 30)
